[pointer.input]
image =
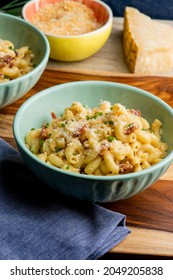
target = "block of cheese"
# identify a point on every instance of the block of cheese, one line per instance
(148, 44)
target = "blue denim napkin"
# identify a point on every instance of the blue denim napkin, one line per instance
(38, 223)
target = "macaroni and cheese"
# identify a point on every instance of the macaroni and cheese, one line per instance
(106, 140)
(14, 62)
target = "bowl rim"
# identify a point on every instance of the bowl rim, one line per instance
(164, 162)
(108, 23)
(47, 48)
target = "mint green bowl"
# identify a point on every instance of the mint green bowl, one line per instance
(22, 33)
(36, 110)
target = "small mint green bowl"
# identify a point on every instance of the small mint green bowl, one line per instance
(36, 110)
(22, 33)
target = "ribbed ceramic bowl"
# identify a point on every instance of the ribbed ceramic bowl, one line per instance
(76, 47)
(36, 110)
(22, 33)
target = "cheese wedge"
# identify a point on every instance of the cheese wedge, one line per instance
(148, 44)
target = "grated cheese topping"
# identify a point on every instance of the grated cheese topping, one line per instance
(105, 140)
(65, 18)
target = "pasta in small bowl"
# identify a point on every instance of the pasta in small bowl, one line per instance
(96, 141)
(24, 53)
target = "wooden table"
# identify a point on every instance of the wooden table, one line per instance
(150, 213)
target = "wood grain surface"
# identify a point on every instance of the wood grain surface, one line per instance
(150, 213)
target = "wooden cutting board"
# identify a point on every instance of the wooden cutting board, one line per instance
(108, 61)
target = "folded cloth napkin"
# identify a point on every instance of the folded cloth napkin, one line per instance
(38, 223)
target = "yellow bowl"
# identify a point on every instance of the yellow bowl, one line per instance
(75, 47)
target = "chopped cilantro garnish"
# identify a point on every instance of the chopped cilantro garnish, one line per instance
(88, 117)
(98, 114)
(6, 77)
(67, 167)
(45, 125)
(110, 138)
(11, 48)
(32, 128)
(111, 122)
(41, 142)
(63, 124)
(130, 125)
(85, 106)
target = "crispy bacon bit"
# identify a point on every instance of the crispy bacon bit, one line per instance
(44, 132)
(83, 129)
(126, 167)
(11, 65)
(80, 130)
(135, 112)
(103, 149)
(53, 115)
(130, 128)
(2, 64)
(7, 58)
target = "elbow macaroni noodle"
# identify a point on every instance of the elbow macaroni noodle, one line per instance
(106, 140)
(14, 62)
